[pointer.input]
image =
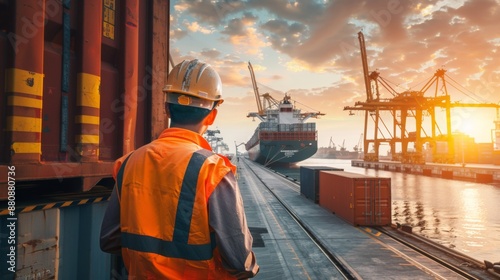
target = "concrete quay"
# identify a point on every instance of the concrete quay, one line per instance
(481, 173)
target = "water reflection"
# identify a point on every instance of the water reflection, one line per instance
(456, 214)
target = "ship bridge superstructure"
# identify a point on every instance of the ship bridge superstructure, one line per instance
(282, 136)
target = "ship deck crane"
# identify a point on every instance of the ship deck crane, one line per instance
(268, 102)
(332, 145)
(358, 148)
(408, 104)
(343, 148)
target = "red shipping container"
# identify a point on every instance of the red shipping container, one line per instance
(81, 85)
(359, 199)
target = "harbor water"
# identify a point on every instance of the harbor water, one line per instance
(457, 214)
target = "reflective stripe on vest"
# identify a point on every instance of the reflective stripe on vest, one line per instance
(178, 247)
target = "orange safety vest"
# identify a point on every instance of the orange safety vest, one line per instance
(164, 189)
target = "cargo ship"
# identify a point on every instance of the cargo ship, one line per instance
(282, 136)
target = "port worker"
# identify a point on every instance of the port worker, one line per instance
(176, 211)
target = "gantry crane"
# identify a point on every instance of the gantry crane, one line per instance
(404, 105)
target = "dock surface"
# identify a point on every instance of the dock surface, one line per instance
(285, 251)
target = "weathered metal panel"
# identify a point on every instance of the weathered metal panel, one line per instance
(358, 199)
(56, 243)
(38, 245)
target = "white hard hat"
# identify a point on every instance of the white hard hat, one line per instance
(194, 83)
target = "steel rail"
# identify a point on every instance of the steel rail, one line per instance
(429, 255)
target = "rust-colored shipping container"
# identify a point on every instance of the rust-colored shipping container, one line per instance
(81, 86)
(359, 199)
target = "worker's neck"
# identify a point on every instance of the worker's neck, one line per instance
(197, 128)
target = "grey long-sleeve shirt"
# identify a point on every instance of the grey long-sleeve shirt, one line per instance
(226, 217)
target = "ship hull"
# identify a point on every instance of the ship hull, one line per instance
(268, 152)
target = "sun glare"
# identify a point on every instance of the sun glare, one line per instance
(468, 127)
(477, 128)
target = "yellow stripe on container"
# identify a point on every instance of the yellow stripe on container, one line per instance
(22, 81)
(25, 124)
(86, 119)
(88, 90)
(26, 147)
(24, 102)
(87, 139)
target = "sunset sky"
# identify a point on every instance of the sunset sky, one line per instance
(310, 50)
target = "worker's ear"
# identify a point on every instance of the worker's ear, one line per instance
(209, 120)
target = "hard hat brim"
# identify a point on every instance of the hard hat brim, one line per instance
(186, 99)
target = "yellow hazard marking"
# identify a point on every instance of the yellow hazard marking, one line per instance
(48, 206)
(29, 208)
(88, 87)
(369, 230)
(22, 81)
(87, 139)
(67, 203)
(26, 147)
(40, 207)
(83, 201)
(24, 102)
(25, 124)
(86, 119)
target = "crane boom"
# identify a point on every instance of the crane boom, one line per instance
(256, 90)
(369, 95)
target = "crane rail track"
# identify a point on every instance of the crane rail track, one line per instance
(452, 261)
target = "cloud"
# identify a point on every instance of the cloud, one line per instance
(195, 27)
(210, 54)
(243, 35)
(406, 42)
(208, 12)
